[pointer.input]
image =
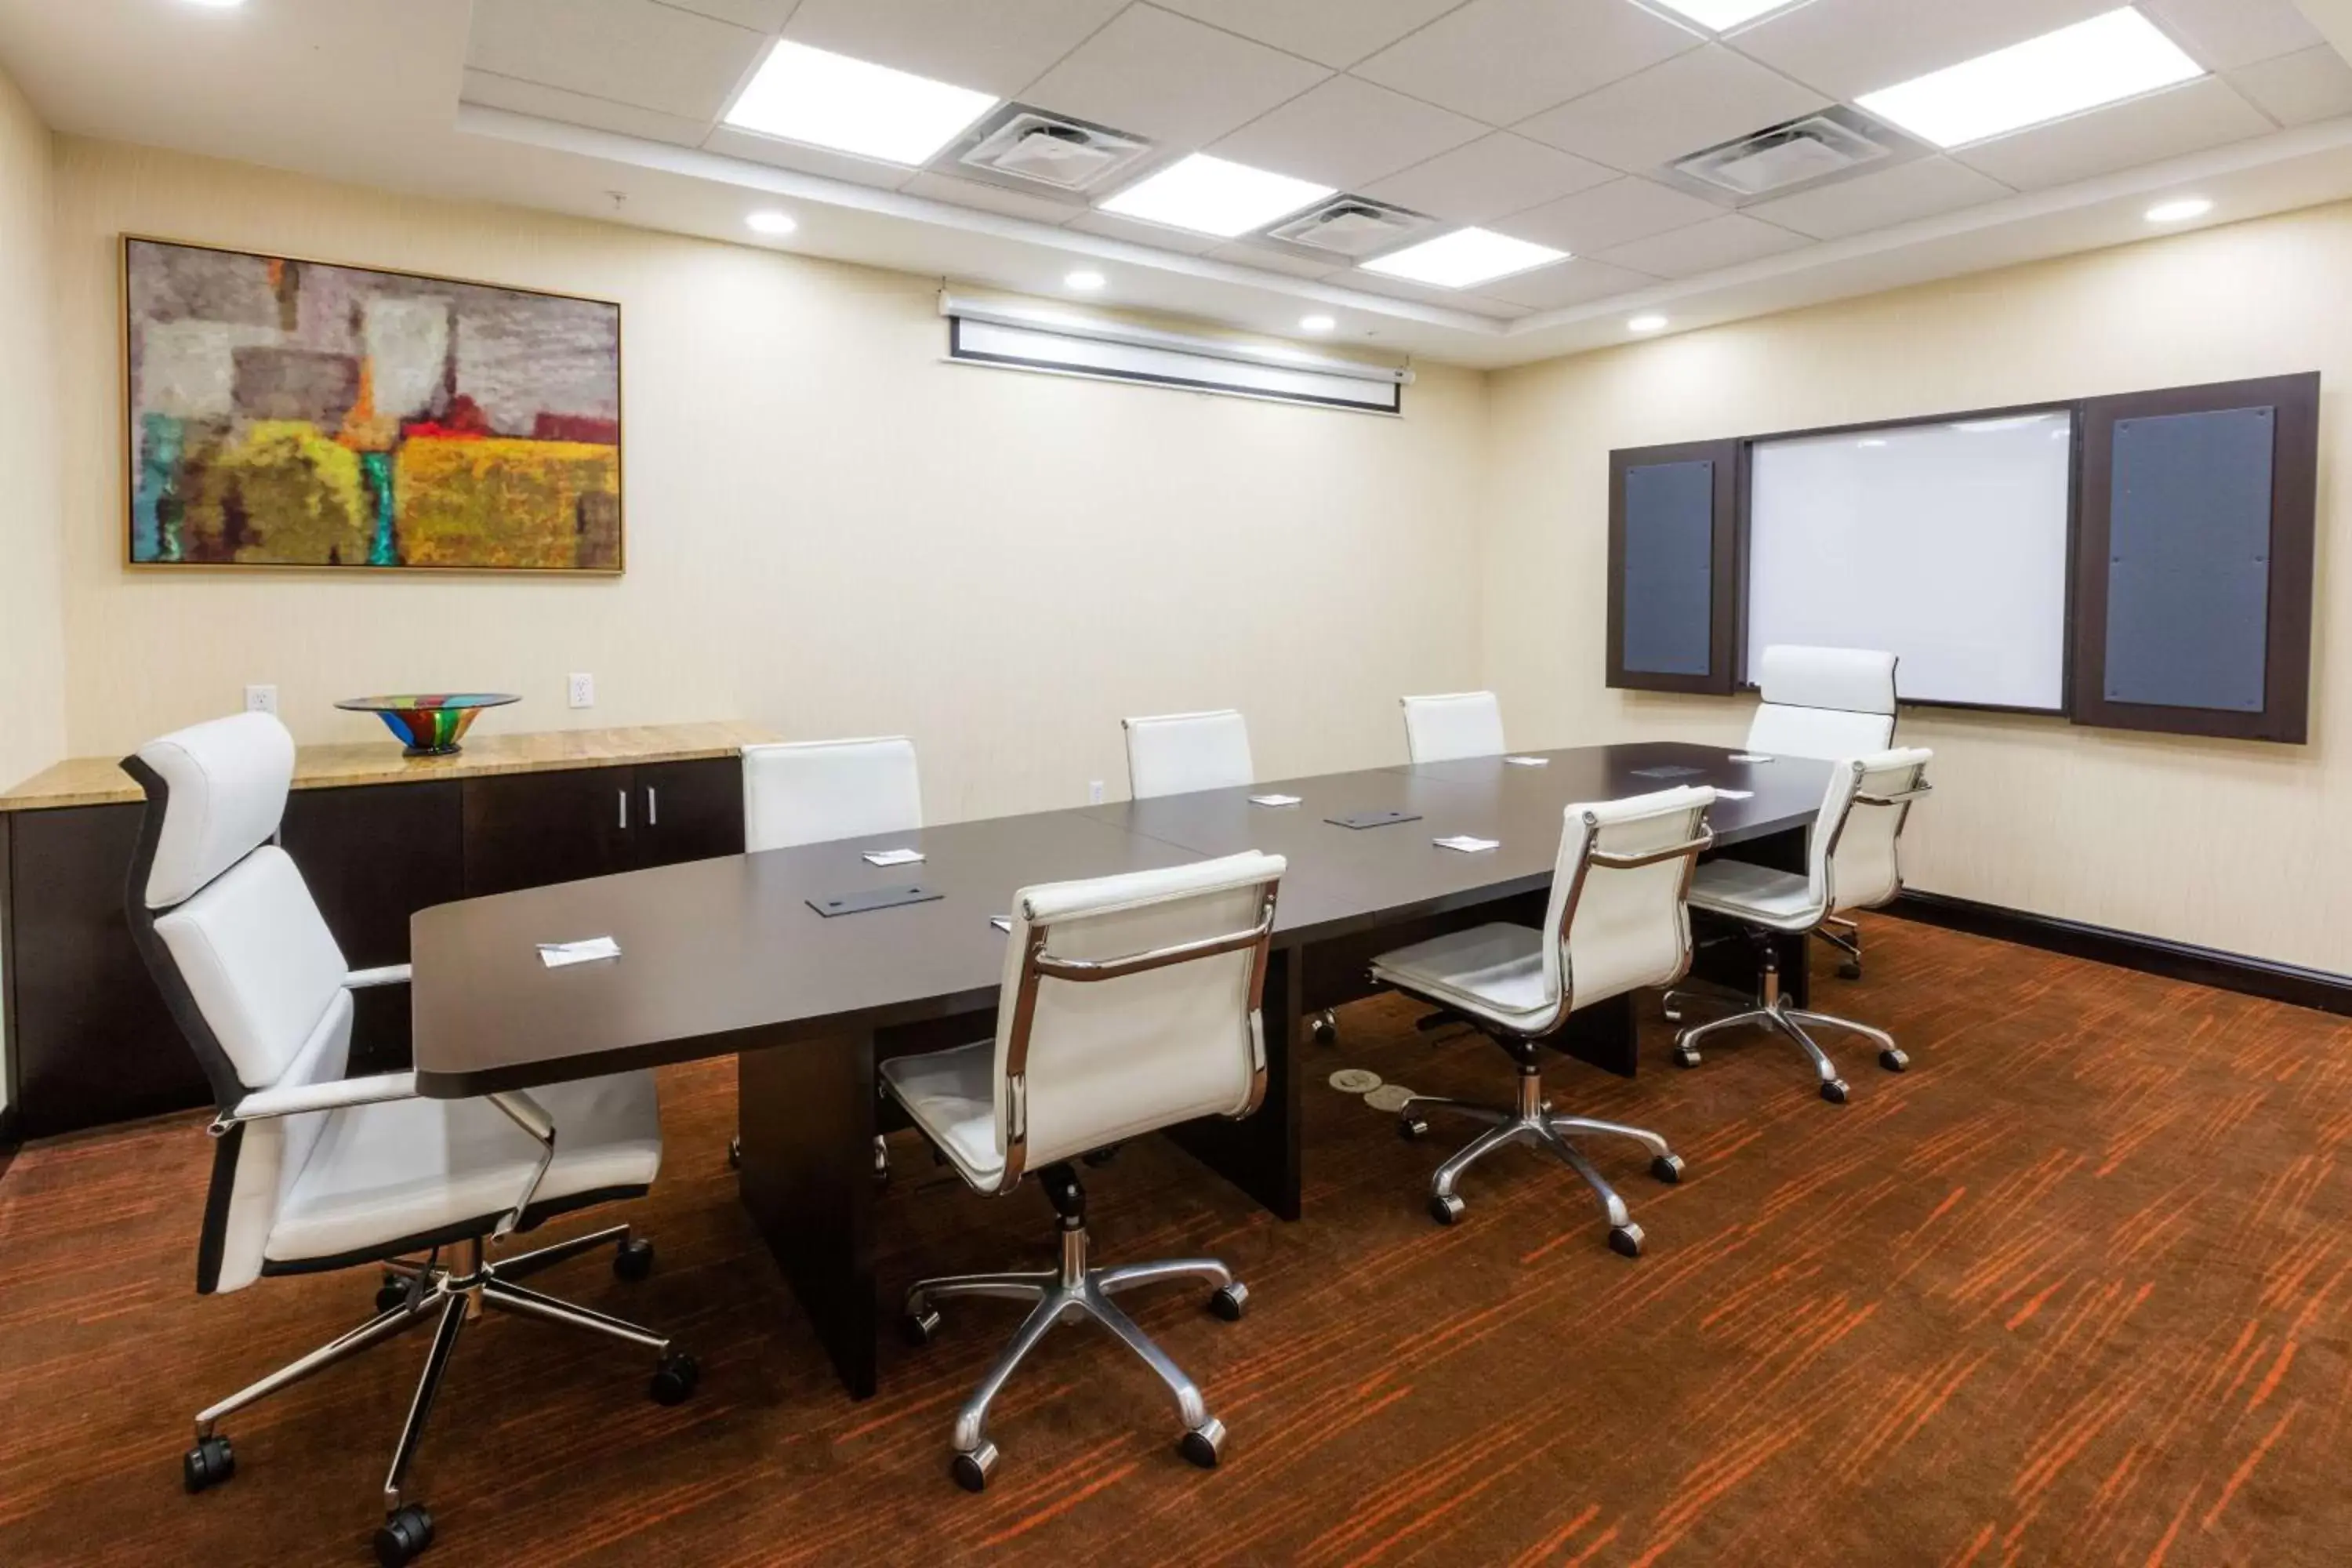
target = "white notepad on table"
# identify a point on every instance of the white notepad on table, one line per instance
(589, 950)
(1273, 800)
(1528, 762)
(893, 856)
(1466, 844)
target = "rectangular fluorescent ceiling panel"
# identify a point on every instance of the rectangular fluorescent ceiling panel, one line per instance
(1721, 15)
(1465, 258)
(1215, 195)
(854, 106)
(2105, 60)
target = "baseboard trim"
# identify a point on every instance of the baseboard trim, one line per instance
(2313, 988)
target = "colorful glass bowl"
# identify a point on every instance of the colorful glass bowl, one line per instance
(429, 726)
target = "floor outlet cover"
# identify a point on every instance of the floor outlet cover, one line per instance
(1355, 1080)
(1388, 1096)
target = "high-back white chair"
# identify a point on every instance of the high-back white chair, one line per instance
(1129, 1004)
(1852, 863)
(1616, 921)
(807, 792)
(1175, 753)
(314, 1171)
(1458, 724)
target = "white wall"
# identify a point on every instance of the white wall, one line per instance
(830, 530)
(2232, 845)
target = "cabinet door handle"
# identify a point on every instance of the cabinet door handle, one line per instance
(624, 809)
(653, 808)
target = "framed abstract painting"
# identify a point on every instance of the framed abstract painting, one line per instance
(298, 414)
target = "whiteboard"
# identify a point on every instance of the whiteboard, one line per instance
(1945, 544)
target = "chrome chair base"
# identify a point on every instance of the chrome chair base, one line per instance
(1074, 1293)
(417, 1292)
(1847, 937)
(1533, 1122)
(1772, 1012)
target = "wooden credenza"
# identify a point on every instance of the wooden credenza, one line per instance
(377, 836)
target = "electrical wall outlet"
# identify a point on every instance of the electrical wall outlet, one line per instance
(1094, 792)
(261, 699)
(582, 689)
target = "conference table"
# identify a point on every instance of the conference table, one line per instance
(732, 956)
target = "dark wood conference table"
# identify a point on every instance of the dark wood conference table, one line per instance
(727, 957)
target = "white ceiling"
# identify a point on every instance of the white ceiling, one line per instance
(1549, 120)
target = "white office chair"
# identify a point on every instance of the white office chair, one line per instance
(313, 1171)
(1460, 724)
(810, 791)
(1129, 1004)
(1616, 921)
(1178, 752)
(1827, 703)
(1852, 863)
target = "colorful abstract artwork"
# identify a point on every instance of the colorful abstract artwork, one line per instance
(288, 413)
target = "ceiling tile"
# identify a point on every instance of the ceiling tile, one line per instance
(1495, 174)
(1449, 299)
(782, 154)
(1710, 246)
(1685, 105)
(629, 51)
(1502, 60)
(578, 108)
(1607, 216)
(998, 47)
(2300, 88)
(2226, 34)
(1848, 47)
(1577, 282)
(761, 15)
(1273, 258)
(1346, 132)
(1920, 188)
(2186, 119)
(1337, 33)
(1168, 77)
(992, 198)
(1112, 226)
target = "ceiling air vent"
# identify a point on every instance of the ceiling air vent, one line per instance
(1048, 150)
(1351, 227)
(1815, 149)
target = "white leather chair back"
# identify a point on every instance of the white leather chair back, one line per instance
(1460, 724)
(1177, 752)
(1625, 927)
(1099, 1060)
(809, 792)
(1827, 702)
(1854, 863)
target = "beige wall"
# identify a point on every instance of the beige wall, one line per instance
(830, 530)
(2241, 847)
(32, 645)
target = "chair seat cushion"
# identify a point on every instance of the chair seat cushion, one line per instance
(951, 1095)
(1494, 972)
(380, 1174)
(1757, 894)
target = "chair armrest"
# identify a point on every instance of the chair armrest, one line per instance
(390, 974)
(332, 1095)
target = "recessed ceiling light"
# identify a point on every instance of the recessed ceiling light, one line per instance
(1316, 324)
(1875, 441)
(1215, 195)
(1465, 256)
(854, 106)
(1647, 324)
(1085, 282)
(218, 5)
(2103, 60)
(1722, 15)
(2181, 211)
(772, 222)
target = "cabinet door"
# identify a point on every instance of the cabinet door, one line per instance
(528, 830)
(372, 856)
(688, 810)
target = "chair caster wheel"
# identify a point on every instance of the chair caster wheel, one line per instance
(1229, 1302)
(1849, 969)
(1686, 1058)
(1667, 1168)
(391, 1293)
(1411, 1129)
(1833, 1091)
(971, 1470)
(1326, 1027)
(634, 1259)
(919, 1329)
(1625, 1240)
(674, 1378)
(1892, 1060)
(401, 1537)
(735, 1153)
(1446, 1210)
(1202, 1444)
(209, 1463)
